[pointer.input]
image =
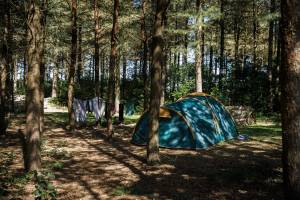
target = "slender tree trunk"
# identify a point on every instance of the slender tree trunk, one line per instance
(15, 72)
(291, 97)
(42, 65)
(199, 58)
(211, 54)
(157, 59)
(145, 54)
(254, 10)
(275, 77)
(185, 39)
(4, 67)
(270, 59)
(112, 68)
(222, 40)
(236, 49)
(117, 86)
(103, 68)
(123, 89)
(35, 52)
(97, 54)
(164, 67)
(79, 56)
(72, 65)
(55, 78)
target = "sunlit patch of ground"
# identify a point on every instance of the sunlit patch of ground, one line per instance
(87, 166)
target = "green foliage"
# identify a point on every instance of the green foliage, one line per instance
(184, 89)
(58, 101)
(216, 92)
(44, 189)
(56, 165)
(58, 153)
(266, 128)
(62, 96)
(10, 181)
(120, 191)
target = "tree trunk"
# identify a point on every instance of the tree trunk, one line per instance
(117, 85)
(4, 67)
(157, 61)
(237, 69)
(275, 76)
(15, 72)
(211, 54)
(121, 114)
(34, 52)
(185, 39)
(55, 78)
(222, 40)
(270, 91)
(72, 66)
(164, 67)
(145, 53)
(254, 10)
(291, 97)
(42, 65)
(97, 55)
(103, 69)
(112, 69)
(79, 56)
(199, 58)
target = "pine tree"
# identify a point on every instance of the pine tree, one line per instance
(34, 52)
(157, 61)
(290, 70)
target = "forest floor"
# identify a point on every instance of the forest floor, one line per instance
(87, 166)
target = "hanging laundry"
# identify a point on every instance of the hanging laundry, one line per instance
(97, 106)
(79, 107)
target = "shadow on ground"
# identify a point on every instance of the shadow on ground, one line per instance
(98, 169)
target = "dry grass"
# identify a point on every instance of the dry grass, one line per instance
(87, 166)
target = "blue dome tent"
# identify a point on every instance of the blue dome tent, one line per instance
(195, 121)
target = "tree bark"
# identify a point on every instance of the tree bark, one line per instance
(15, 80)
(199, 49)
(103, 69)
(97, 54)
(164, 67)
(112, 68)
(145, 55)
(270, 59)
(222, 40)
(34, 52)
(72, 65)
(4, 67)
(254, 10)
(42, 65)
(157, 61)
(124, 64)
(185, 39)
(237, 69)
(211, 54)
(117, 85)
(291, 97)
(79, 56)
(55, 78)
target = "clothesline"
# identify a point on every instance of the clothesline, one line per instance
(95, 105)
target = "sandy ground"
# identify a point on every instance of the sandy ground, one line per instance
(94, 168)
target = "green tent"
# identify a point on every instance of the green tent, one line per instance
(196, 121)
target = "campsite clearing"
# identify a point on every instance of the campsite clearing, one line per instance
(86, 166)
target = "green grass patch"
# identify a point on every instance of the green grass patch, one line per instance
(120, 191)
(57, 118)
(131, 119)
(264, 129)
